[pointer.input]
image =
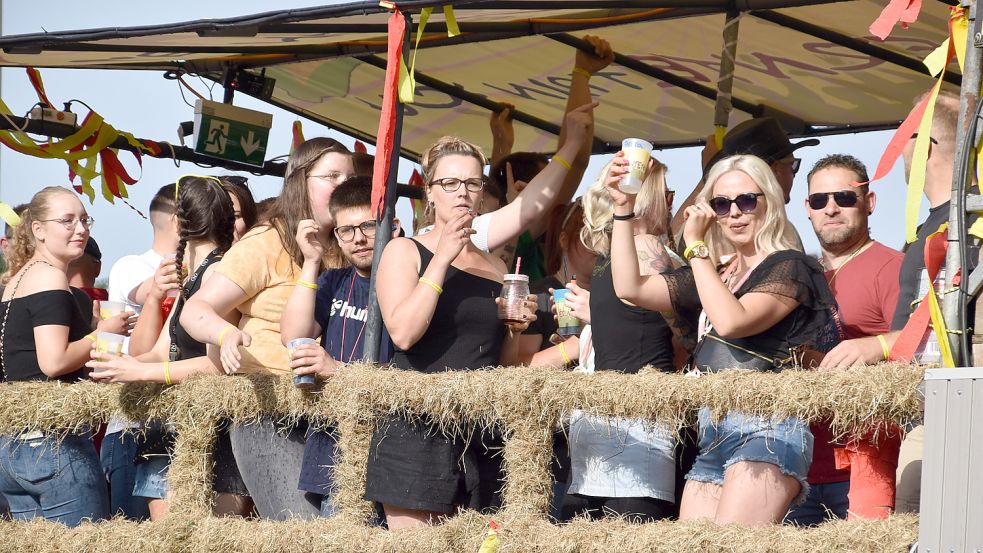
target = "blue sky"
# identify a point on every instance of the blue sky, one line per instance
(150, 107)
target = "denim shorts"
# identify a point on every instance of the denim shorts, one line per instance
(151, 477)
(785, 443)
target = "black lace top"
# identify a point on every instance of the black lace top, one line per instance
(788, 273)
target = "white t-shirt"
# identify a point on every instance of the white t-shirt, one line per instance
(128, 273)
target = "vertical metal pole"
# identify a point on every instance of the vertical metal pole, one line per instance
(954, 305)
(725, 77)
(373, 322)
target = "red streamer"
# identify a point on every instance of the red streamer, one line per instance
(387, 119)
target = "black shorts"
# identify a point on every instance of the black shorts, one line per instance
(414, 466)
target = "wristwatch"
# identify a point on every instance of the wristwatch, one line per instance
(697, 249)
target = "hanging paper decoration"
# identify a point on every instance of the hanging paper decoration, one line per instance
(897, 11)
(297, 135)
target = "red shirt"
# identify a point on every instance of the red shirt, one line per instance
(866, 291)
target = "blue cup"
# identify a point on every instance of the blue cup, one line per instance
(569, 325)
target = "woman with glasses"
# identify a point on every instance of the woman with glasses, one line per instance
(437, 296)
(255, 279)
(758, 303)
(206, 226)
(44, 336)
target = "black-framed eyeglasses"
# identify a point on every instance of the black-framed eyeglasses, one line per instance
(70, 224)
(347, 232)
(746, 202)
(843, 198)
(451, 184)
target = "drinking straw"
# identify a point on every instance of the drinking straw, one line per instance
(518, 261)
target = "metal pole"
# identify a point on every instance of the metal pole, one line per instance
(373, 322)
(725, 78)
(954, 305)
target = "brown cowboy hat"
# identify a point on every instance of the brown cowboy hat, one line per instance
(762, 137)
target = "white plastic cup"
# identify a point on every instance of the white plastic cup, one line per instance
(176, 291)
(107, 342)
(108, 309)
(637, 152)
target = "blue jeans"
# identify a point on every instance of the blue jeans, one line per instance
(824, 502)
(119, 449)
(60, 481)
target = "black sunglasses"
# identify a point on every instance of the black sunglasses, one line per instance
(843, 198)
(746, 202)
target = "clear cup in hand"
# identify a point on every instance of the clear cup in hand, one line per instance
(302, 381)
(513, 295)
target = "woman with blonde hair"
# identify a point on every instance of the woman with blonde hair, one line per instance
(765, 307)
(624, 466)
(44, 336)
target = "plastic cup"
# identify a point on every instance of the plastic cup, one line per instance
(109, 309)
(514, 292)
(107, 342)
(176, 291)
(637, 152)
(303, 381)
(569, 325)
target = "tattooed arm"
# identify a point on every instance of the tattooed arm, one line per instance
(652, 255)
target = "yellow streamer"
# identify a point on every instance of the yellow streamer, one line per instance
(407, 77)
(919, 161)
(8, 215)
(452, 29)
(718, 134)
(935, 312)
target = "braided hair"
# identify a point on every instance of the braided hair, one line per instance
(204, 212)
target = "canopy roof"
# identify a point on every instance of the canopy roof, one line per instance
(812, 63)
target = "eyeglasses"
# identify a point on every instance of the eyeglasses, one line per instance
(746, 202)
(794, 163)
(333, 176)
(347, 232)
(70, 224)
(843, 198)
(450, 184)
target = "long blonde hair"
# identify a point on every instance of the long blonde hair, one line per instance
(776, 232)
(650, 207)
(24, 244)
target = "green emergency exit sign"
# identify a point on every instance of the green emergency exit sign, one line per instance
(232, 133)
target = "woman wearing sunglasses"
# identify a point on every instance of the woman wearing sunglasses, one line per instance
(765, 307)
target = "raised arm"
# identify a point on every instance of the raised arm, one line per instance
(543, 191)
(644, 290)
(297, 320)
(503, 133)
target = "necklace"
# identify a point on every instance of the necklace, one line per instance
(344, 324)
(849, 258)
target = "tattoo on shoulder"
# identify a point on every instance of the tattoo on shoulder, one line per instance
(652, 256)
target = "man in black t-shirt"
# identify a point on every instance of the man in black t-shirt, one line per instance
(340, 309)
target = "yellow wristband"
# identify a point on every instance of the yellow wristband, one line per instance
(91, 337)
(884, 349)
(563, 162)
(563, 352)
(582, 71)
(692, 247)
(306, 284)
(221, 335)
(432, 284)
(167, 373)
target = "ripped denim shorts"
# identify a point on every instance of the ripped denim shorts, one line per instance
(785, 443)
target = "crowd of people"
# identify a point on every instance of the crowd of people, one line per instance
(719, 283)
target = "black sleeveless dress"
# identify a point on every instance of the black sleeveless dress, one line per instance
(411, 464)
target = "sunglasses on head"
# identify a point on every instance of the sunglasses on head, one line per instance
(746, 202)
(843, 198)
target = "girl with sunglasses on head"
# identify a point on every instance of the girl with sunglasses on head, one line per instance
(255, 279)
(206, 226)
(766, 308)
(44, 336)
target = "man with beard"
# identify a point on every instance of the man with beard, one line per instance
(863, 275)
(335, 310)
